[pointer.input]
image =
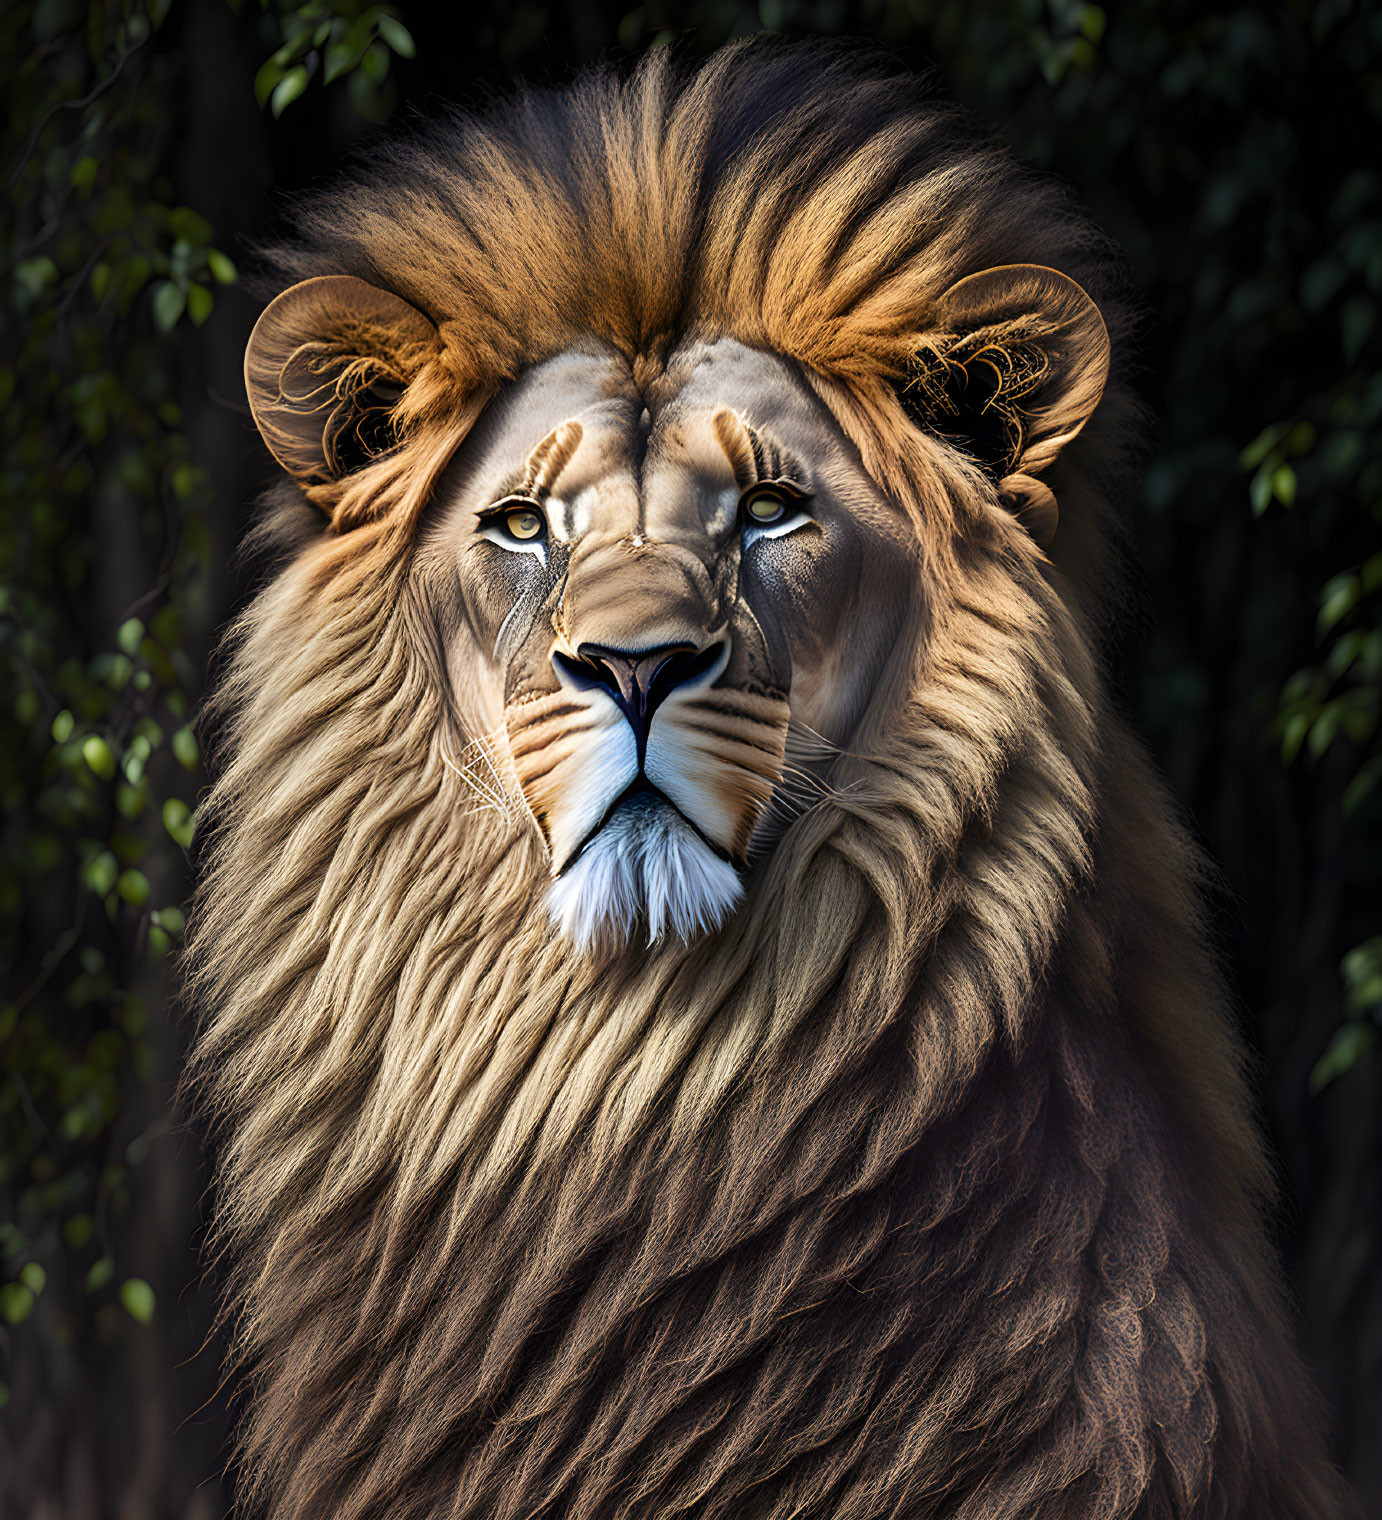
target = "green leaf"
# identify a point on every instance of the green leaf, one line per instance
(178, 820)
(222, 269)
(1093, 23)
(1345, 652)
(168, 305)
(101, 874)
(63, 725)
(1342, 1054)
(34, 276)
(84, 173)
(78, 1230)
(1257, 451)
(133, 886)
(189, 226)
(375, 63)
(33, 1277)
(1284, 484)
(170, 919)
(185, 748)
(1293, 735)
(359, 33)
(400, 39)
(99, 756)
(340, 57)
(129, 636)
(1358, 713)
(287, 90)
(131, 795)
(266, 80)
(188, 479)
(16, 1302)
(1323, 730)
(116, 671)
(1340, 596)
(201, 302)
(1362, 973)
(138, 1298)
(99, 1274)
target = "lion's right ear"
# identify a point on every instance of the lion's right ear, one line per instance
(326, 367)
(1010, 371)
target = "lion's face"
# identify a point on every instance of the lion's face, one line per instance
(645, 590)
(660, 592)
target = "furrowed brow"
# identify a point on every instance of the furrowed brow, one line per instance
(549, 459)
(753, 453)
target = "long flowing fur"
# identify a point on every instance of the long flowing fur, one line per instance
(926, 1186)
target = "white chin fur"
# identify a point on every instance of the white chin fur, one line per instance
(646, 862)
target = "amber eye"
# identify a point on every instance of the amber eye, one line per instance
(523, 523)
(764, 507)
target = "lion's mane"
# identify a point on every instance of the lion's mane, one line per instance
(927, 1186)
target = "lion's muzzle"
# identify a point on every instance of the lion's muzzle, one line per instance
(640, 680)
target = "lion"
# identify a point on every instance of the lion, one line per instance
(705, 1003)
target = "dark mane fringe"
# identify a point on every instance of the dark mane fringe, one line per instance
(927, 1187)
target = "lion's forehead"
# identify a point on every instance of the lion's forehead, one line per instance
(648, 440)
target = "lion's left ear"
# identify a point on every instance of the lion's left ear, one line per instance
(1012, 368)
(326, 366)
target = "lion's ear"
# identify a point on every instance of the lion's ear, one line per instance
(1011, 370)
(326, 366)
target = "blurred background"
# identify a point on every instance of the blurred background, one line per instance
(1233, 152)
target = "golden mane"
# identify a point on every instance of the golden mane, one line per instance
(927, 1185)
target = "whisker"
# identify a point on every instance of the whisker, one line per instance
(809, 777)
(479, 773)
(487, 747)
(800, 791)
(489, 802)
(809, 741)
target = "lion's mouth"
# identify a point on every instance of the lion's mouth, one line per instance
(645, 862)
(640, 796)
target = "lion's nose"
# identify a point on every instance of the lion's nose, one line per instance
(639, 680)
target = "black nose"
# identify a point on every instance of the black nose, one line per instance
(639, 680)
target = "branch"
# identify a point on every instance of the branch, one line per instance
(68, 105)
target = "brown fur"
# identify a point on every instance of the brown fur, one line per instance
(924, 1188)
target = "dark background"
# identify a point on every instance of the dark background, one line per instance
(1231, 150)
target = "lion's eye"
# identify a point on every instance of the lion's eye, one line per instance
(764, 507)
(523, 523)
(776, 507)
(517, 523)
